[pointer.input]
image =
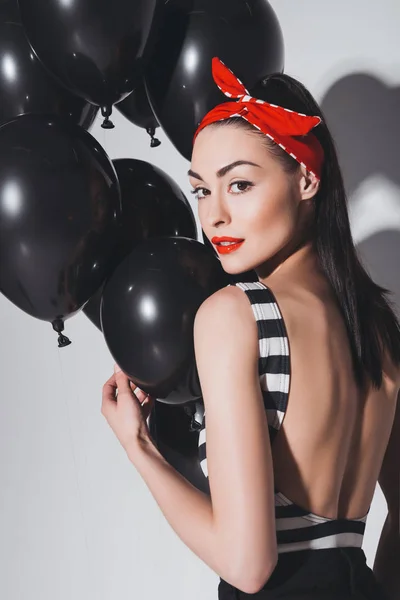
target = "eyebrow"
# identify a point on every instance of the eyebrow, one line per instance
(222, 172)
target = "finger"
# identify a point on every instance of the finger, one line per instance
(110, 385)
(121, 379)
(109, 391)
(145, 400)
(140, 394)
(147, 406)
(133, 385)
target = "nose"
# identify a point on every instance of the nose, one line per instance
(217, 212)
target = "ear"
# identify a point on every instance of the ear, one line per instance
(309, 184)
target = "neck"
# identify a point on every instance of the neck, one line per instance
(293, 261)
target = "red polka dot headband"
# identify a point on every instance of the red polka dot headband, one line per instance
(287, 128)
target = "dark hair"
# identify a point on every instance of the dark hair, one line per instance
(369, 314)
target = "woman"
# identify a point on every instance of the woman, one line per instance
(300, 371)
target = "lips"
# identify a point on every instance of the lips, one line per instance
(227, 248)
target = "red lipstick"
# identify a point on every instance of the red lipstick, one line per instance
(227, 248)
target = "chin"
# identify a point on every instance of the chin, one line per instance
(237, 269)
(231, 269)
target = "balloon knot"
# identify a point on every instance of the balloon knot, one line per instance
(63, 341)
(107, 124)
(190, 410)
(106, 112)
(58, 326)
(154, 141)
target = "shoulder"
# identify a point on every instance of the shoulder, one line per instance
(226, 317)
(226, 305)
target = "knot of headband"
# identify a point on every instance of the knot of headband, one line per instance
(287, 128)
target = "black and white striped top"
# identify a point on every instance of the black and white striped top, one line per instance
(296, 528)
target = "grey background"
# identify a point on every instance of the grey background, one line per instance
(76, 520)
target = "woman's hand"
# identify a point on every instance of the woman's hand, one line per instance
(126, 408)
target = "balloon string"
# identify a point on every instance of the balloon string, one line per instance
(64, 388)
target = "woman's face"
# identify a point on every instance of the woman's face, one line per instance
(243, 192)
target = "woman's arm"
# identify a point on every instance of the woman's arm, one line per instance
(239, 458)
(233, 532)
(187, 509)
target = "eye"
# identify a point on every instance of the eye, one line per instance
(200, 192)
(242, 186)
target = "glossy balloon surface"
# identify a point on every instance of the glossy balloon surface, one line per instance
(148, 310)
(25, 85)
(136, 107)
(59, 211)
(244, 34)
(153, 205)
(94, 47)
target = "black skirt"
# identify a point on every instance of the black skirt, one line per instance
(327, 574)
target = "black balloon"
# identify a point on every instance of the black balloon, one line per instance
(136, 107)
(175, 431)
(246, 276)
(92, 307)
(25, 85)
(59, 212)
(153, 205)
(148, 310)
(244, 34)
(94, 47)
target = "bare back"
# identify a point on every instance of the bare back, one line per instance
(329, 451)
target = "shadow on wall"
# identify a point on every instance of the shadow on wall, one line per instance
(363, 114)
